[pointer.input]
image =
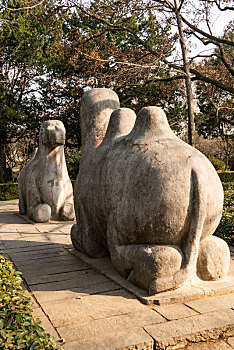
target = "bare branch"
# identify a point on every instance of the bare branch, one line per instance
(131, 64)
(214, 39)
(217, 83)
(22, 8)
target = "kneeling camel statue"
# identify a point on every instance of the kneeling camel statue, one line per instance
(145, 197)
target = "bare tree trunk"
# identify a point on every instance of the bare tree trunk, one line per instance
(3, 174)
(188, 82)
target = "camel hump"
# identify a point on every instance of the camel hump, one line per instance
(151, 121)
(121, 123)
(95, 111)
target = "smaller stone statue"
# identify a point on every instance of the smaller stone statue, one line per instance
(45, 190)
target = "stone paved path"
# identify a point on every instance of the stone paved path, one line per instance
(85, 308)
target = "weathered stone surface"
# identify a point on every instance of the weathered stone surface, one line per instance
(81, 278)
(192, 329)
(45, 190)
(37, 312)
(47, 325)
(101, 327)
(209, 345)
(143, 195)
(175, 311)
(212, 303)
(60, 259)
(213, 259)
(133, 339)
(53, 268)
(94, 307)
(75, 292)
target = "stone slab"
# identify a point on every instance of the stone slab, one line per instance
(37, 250)
(53, 268)
(212, 303)
(192, 329)
(63, 260)
(81, 279)
(198, 289)
(56, 277)
(49, 328)
(37, 312)
(27, 249)
(47, 255)
(102, 326)
(94, 307)
(134, 339)
(75, 292)
(175, 311)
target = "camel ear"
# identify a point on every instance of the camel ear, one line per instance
(43, 135)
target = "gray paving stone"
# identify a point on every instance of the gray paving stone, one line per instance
(192, 329)
(81, 279)
(103, 326)
(27, 228)
(175, 311)
(49, 328)
(27, 249)
(22, 243)
(56, 277)
(93, 307)
(76, 292)
(210, 304)
(63, 260)
(50, 238)
(37, 312)
(37, 250)
(53, 268)
(38, 256)
(48, 227)
(132, 339)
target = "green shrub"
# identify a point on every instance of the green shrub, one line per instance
(8, 191)
(227, 176)
(18, 329)
(217, 163)
(225, 230)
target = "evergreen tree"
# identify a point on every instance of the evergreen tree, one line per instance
(28, 38)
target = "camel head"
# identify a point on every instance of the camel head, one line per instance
(52, 133)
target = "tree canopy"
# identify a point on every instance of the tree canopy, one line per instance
(52, 51)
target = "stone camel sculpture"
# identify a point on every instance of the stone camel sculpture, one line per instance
(145, 197)
(45, 190)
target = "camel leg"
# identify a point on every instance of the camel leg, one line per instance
(160, 268)
(84, 237)
(36, 210)
(66, 213)
(22, 202)
(142, 264)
